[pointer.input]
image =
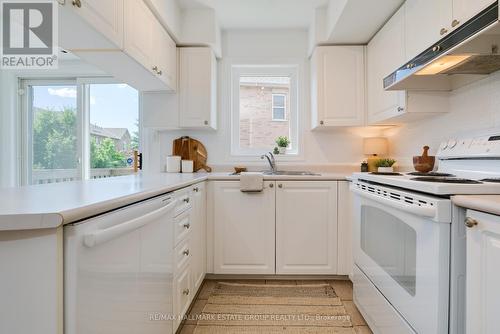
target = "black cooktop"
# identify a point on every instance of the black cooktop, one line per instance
(445, 180)
(430, 174)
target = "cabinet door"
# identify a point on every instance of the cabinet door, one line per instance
(385, 54)
(244, 229)
(104, 16)
(197, 88)
(345, 222)
(165, 57)
(140, 32)
(464, 10)
(338, 75)
(483, 274)
(199, 235)
(427, 21)
(306, 227)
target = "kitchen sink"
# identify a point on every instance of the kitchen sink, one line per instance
(290, 172)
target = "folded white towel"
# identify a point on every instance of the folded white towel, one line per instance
(251, 182)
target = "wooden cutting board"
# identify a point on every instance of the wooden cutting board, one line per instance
(191, 149)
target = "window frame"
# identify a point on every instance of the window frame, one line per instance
(282, 70)
(82, 85)
(284, 119)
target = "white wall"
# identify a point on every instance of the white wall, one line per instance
(472, 108)
(332, 148)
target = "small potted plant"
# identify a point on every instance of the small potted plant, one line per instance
(282, 142)
(385, 165)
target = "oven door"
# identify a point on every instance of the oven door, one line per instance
(404, 252)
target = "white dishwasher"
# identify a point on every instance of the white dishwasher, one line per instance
(118, 271)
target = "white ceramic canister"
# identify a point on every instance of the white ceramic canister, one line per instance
(187, 166)
(173, 164)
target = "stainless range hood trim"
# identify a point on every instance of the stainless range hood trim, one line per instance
(404, 78)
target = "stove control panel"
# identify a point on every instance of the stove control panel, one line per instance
(474, 147)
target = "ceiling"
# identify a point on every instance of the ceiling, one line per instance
(260, 14)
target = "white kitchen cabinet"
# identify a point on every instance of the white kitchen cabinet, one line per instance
(198, 244)
(464, 10)
(345, 222)
(243, 229)
(306, 227)
(483, 273)
(140, 31)
(91, 24)
(386, 53)
(427, 21)
(197, 88)
(338, 86)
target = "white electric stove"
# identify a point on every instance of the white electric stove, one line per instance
(409, 239)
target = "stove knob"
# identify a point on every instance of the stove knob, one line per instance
(452, 143)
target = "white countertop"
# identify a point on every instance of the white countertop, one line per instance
(484, 203)
(51, 205)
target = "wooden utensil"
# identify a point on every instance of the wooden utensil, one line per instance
(425, 162)
(191, 149)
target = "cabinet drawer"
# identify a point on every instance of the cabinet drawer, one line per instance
(182, 294)
(182, 255)
(182, 226)
(184, 202)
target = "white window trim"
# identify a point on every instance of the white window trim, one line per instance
(273, 107)
(286, 70)
(83, 121)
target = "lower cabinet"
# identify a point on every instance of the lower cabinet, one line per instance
(483, 273)
(288, 228)
(306, 227)
(244, 229)
(198, 244)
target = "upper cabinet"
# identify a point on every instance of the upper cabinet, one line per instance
(427, 21)
(338, 86)
(463, 10)
(385, 53)
(198, 88)
(115, 35)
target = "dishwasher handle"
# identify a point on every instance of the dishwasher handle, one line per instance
(101, 236)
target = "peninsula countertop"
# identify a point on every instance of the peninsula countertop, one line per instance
(484, 203)
(56, 204)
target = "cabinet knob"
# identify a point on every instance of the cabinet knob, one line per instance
(155, 68)
(280, 185)
(186, 199)
(187, 225)
(205, 122)
(159, 72)
(436, 48)
(443, 31)
(400, 109)
(321, 122)
(77, 3)
(196, 189)
(469, 222)
(185, 292)
(186, 252)
(271, 185)
(455, 23)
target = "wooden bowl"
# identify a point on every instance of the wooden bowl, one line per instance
(424, 164)
(239, 169)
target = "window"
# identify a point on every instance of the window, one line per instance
(78, 129)
(279, 107)
(264, 107)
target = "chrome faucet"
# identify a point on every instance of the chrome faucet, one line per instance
(272, 162)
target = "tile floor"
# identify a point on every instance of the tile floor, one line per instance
(341, 287)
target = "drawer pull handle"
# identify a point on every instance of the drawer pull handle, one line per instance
(185, 292)
(186, 199)
(187, 225)
(77, 3)
(186, 252)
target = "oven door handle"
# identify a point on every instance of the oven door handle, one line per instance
(417, 210)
